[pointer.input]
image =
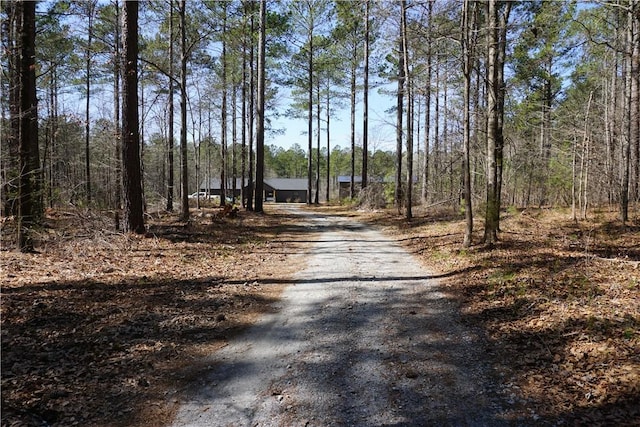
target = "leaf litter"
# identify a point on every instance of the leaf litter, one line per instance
(559, 302)
(103, 328)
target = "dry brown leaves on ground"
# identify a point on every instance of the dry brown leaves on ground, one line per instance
(559, 301)
(99, 327)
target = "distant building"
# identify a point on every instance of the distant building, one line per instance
(285, 190)
(213, 188)
(344, 185)
(279, 190)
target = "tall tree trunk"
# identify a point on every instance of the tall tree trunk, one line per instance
(574, 167)
(316, 200)
(170, 178)
(260, 111)
(502, 46)
(131, 175)
(408, 91)
(611, 124)
(545, 142)
(328, 139)
(243, 132)
(399, 126)
(29, 185)
(10, 164)
(252, 90)
(223, 114)
(234, 140)
(352, 188)
(493, 204)
(496, 36)
(54, 140)
(183, 110)
(584, 169)
(629, 115)
(91, 5)
(437, 182)
(467, 53)
(635, 99)
(310, 119)
(117, 188)
(427, 110)
(365, 99)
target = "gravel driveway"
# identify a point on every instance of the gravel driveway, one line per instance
(362, 337)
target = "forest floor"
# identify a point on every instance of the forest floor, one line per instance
(102, 328)
(559, 302)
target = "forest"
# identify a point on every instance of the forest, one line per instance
(532, 104)
(497, 140)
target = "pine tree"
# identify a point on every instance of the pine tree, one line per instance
(131, 172)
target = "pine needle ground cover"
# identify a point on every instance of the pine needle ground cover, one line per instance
(559, 302)
(106, 329)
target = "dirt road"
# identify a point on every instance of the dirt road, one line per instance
(362, 337)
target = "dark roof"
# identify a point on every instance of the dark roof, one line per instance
(299, 184)
(214, 183)
(358, 179)
(292, 184)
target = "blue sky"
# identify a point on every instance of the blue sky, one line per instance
(381, 126)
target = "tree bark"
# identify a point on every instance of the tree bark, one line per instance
(427, 110)
(316, 200)
(467, 52)
(131, 173)
(493, 204)
(310, 117)
(243, 94)
(629, 119)
(502, 46)
(250, 183)
(170, 179)
(365, 100)
(260, 112)
(399, 126)
(635, 99)
(183, 111)
(409, 97)
(117, 188)
(584, 169)
(223, 116)
(352, 188)
(29, 185)
(328, 112)
(91, 5)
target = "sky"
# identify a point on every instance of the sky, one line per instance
(381, 126)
